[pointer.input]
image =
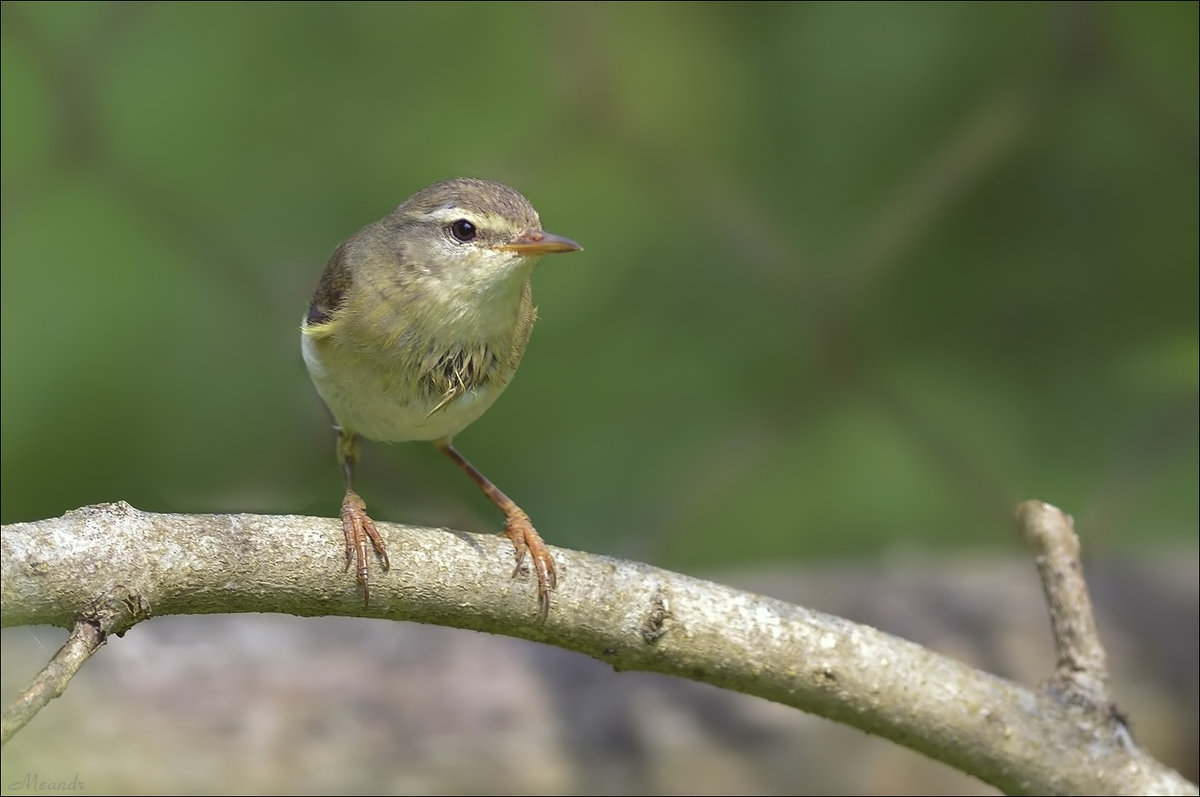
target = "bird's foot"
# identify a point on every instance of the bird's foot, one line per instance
(359, 528)
(526, 540)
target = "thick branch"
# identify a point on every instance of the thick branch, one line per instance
(114, 559)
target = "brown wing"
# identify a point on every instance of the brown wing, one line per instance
(335, 281)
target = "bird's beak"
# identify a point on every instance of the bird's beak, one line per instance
(536, 242)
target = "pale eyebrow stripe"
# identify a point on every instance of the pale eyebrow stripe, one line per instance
(456, 213)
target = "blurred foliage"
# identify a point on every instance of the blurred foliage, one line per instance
(856, 276)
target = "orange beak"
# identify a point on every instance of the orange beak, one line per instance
(536, 242)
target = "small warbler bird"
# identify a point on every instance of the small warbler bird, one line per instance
(418, 324)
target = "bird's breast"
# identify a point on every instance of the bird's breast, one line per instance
(403, 391)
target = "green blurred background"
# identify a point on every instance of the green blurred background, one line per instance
(857, 278)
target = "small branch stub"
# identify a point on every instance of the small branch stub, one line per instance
(1081, 675)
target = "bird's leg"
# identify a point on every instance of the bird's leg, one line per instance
(356, 524)
(518, 528)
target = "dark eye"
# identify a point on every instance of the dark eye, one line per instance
(463, 230)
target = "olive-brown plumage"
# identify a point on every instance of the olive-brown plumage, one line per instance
(418, 324)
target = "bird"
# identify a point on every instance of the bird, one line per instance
(416, 327)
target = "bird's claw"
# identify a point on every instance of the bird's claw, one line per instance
(526, 540)
(359, 528)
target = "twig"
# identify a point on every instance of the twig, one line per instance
(1082, 671)
(85, 639)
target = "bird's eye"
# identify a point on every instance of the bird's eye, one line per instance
(463, 230)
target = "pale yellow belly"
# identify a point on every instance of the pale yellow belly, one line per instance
(379, 404)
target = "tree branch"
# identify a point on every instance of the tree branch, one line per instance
(1082, 670)
(85, 639)
(112, 566)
